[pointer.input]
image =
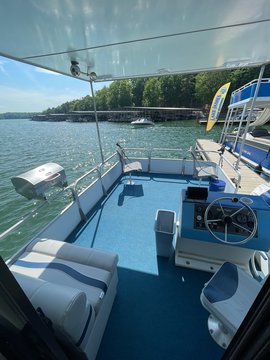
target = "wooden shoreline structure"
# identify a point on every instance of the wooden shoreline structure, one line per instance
(209, 150)
(220, 121)
(126, 114)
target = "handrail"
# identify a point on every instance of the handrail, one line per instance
(32, 213)
(151, 151)
(264, 80)
(222, 157)
(96, 168)
(238, 180)
(154, 149)
(72, 188)
(206, 151)
(169, 149)
(75, 183)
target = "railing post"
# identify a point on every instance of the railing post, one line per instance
(226, 126)
(149, 160)
(227, 118)
(239, 127)
(77, 201)
(100, 178)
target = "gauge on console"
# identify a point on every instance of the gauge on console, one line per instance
(250, 224)
(241, 218)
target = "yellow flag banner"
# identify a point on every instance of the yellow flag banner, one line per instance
(217, 105)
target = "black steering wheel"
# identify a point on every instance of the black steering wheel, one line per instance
(230, 219)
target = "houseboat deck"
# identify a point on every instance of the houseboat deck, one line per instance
(157, 307)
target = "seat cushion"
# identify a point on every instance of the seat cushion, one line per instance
(218, 288)
(132, 166)
(91, 280)
(62, 250)
(229, 295)
(65, 306)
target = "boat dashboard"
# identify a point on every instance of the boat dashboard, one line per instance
(232, 218)
(215, 227)
(224, 216)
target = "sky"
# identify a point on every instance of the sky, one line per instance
(26, 88)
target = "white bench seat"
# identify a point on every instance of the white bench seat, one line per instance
(74, 286)
(65, 306)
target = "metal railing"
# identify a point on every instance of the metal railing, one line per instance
(232, 166)
(72, 188)
(33, 213)
(220, 164)
(150, 154)
(97, 169)
(184, 154)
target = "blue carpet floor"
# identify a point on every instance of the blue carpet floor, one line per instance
(157, 313)
(159, 317)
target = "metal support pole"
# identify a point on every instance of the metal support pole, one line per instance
(240, 126)
(226, 126)
(249, 116)
(96, 119)
(231, 125)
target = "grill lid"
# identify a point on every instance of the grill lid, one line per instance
(33, 183)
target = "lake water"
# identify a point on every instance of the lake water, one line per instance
(26, 144)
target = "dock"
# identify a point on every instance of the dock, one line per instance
(125, 114)
(221, 121)
(249, 178)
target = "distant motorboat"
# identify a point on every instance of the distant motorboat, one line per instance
(142, 122)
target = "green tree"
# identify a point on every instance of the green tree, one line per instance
(152, 94)
(86, 103)
(207, 84)
(113, 95)
(168, 87)
(178, 90)
(172, 91)
(102, 96)
(76, 105)
(186, 91)
(120, 94)
(125, 94)
(137, 91)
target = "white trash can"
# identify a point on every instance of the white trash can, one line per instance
(165, 224)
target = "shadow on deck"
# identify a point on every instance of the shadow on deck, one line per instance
(159, 317)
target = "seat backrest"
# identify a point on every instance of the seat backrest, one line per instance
(121, 153)
(229, 294)
(65, 306)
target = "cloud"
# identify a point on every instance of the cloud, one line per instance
(24, 100)
(2, 68)
(25, 88)
(46, 71)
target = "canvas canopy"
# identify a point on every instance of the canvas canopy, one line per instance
(136, 38)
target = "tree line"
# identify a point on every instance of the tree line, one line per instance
(192, 90)
(17, 115)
